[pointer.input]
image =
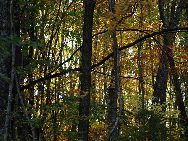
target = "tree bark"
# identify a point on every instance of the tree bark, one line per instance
(85, 77)
(10, 92)
(161, 81)
(179, 95)
(13, 102)
(114, 89)
(112, 114)
(169, 20)
(5, 59)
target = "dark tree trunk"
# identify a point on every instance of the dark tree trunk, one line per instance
(161, 81)
(112, 110)
(179, 95)
(114, 89)
(85, 77)
(170, 20)
(11, 30)
(5, 59)
(8, 120)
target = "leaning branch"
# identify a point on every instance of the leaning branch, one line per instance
(65, 71)
(48, 77)
(138, 41)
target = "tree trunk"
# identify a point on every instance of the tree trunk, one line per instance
(85, 77)
(170, 20)
(179, 95)
(161, 81)
(112, 110)
(5, 59)
(10, 91)
(114, 89)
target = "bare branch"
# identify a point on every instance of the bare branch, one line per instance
(65, 71)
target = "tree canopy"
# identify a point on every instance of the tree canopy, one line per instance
(93, 70)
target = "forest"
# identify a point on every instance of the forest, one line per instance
(93, 70)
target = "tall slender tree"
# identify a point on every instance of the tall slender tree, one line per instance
(114, 88)
(170, 15)
(85, 77)
(11, 84)
(5, 51)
